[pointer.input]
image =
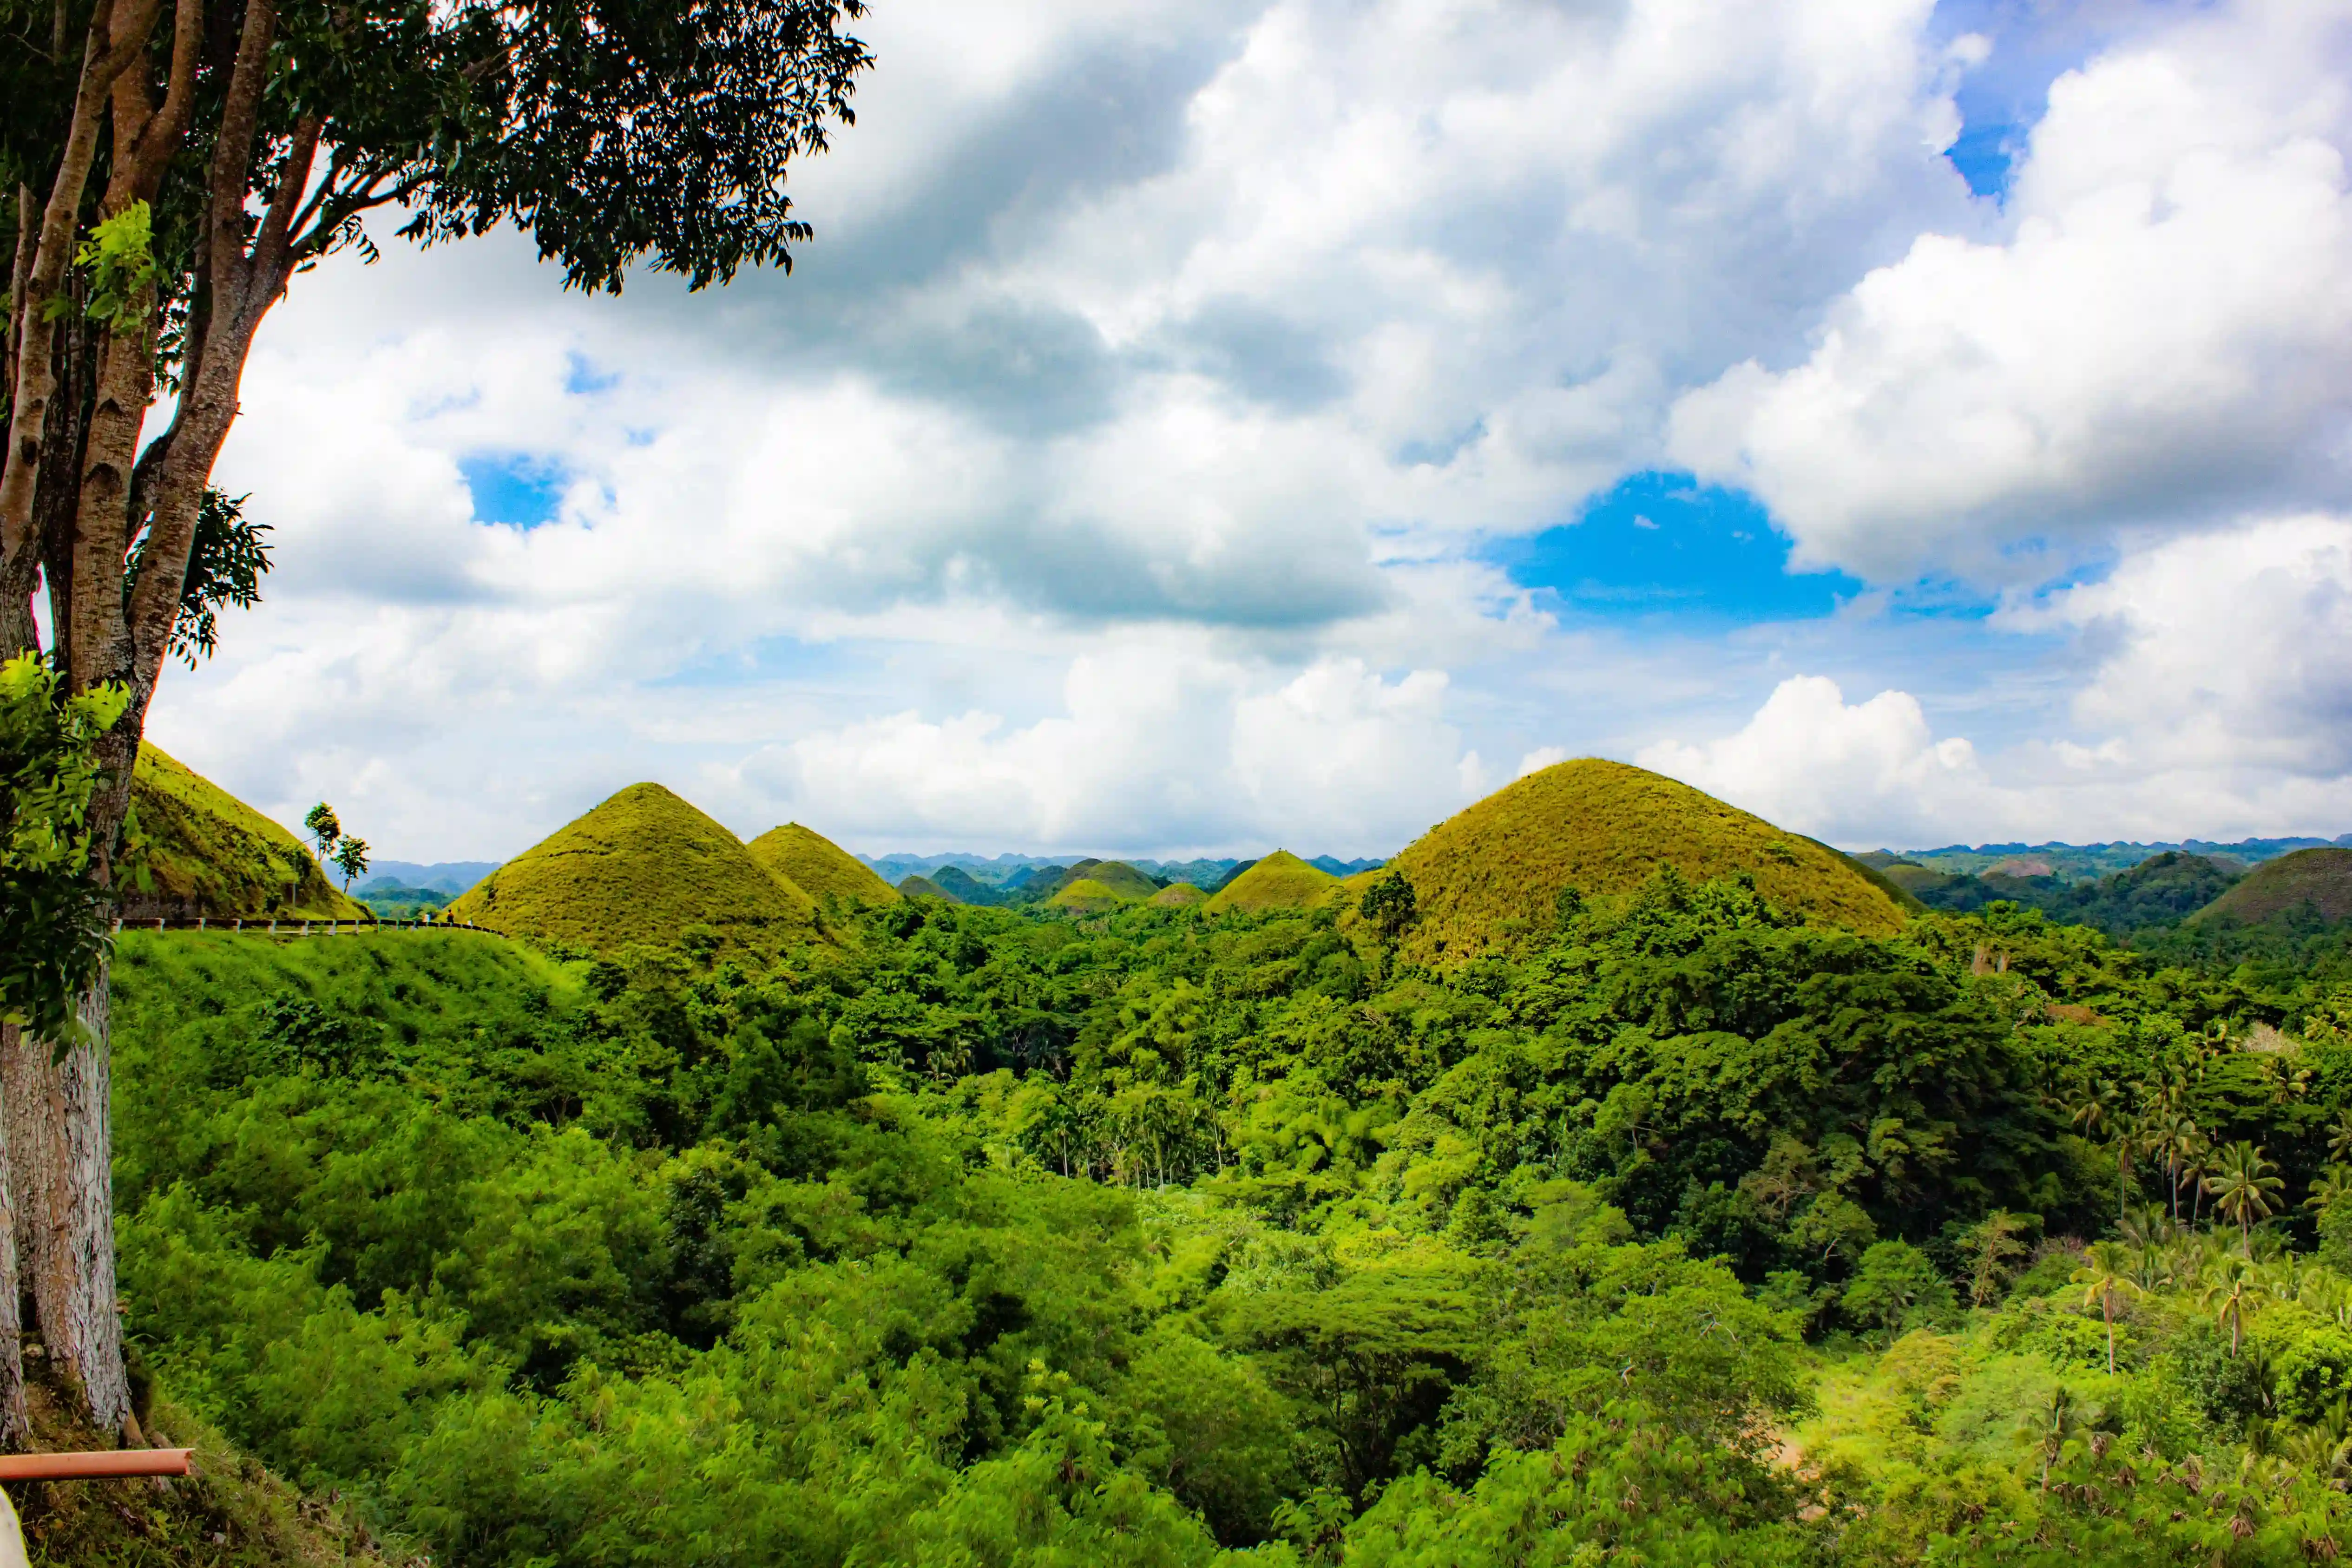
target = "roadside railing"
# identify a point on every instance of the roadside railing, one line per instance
(279, 925)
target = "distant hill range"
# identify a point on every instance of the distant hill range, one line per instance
(2163, 900)
(451, 877)
(1009, 872)
(2086, 863)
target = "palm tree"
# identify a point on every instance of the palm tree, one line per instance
(2228, 1295)
(2049, 1425)
(2242, 1187)
(2103, 1108)
(2332, 1187)
(2147, 1227)
(2339, 1138)
(2192, 1171)
(2172, 1134)
(2106, 1274)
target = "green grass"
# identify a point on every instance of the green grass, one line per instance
(209, 853)
(643, 867)
(924, 887)
(1280, 881)
(819, 867)
(2320, 879)
(1088, 896)
(1491, 876)
(1179, 895)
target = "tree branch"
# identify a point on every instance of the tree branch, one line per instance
(158, 141)
(104, 58)
(271, 264)
(233, 152)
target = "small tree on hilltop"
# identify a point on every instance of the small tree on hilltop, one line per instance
(325, 829)
(350, 859)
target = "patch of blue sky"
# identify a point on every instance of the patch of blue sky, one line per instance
(2033, 43)
(514, 489)
(582, 378)
(1660, 543)
(1985, 155)
(765, 662)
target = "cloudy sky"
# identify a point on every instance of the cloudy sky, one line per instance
(1207, 425)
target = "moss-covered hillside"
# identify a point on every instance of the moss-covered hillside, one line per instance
(642, 867)
(210, 855)
(1491, 876)
(1087, 896)
(1117, 878)
(819, 867)
(1280, 881)
(229, 1512)
(2319, 880)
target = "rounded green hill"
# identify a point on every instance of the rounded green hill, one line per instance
(210, 855)
(1177, 895)
(1491, 875)
(924, 887)
(642, 867)
(1117, 878)
(1280, 881)
(819, 867)
(1087, 895)
(2317, 879)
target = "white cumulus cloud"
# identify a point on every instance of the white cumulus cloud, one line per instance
(2164, 334)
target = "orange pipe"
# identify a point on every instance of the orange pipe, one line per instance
(92, 1467)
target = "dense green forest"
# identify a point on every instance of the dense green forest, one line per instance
(1695, 1234)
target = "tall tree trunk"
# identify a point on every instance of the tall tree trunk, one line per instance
(61, 1155)
(12, 1423)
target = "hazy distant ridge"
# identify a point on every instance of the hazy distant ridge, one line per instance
(997, 871)
(2073, 861)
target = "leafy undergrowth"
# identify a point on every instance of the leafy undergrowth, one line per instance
(229, 1512)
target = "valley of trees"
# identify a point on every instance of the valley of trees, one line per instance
(1693, 1234)
(1677, 1229)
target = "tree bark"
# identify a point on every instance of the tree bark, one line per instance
(61, 1154)
(13, 1421)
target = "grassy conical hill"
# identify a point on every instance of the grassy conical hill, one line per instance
(1177, 895)
(1280, 881)
(642, 867)
(209, 853)
(819, 867)
(1491, 875)
(1088, 896)
(2320, 879)
(1115, 877)
(924, 887)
